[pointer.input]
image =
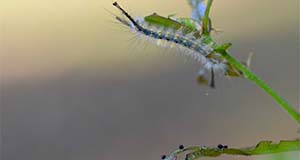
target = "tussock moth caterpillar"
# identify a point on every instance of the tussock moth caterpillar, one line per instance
(183, 34)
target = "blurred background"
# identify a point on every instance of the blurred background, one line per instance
(74, 87)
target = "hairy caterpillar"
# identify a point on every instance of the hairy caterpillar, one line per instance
(184, 35)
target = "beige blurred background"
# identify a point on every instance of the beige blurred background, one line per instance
(73, 87)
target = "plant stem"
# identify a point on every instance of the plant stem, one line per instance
(262, 148)
(246, 72)
(205, 23)
(252, 77)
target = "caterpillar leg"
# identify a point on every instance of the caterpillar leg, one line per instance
(212, 79)
(203, 80)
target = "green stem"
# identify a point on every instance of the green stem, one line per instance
(246, 72)
(251, 76)
(262, 148)
(205, 23)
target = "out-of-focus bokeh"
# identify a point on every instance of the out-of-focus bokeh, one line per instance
(75, 86)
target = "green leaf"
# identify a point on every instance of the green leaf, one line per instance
(158, 20)
(188, 25)
(267, 147)
(262, 148)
